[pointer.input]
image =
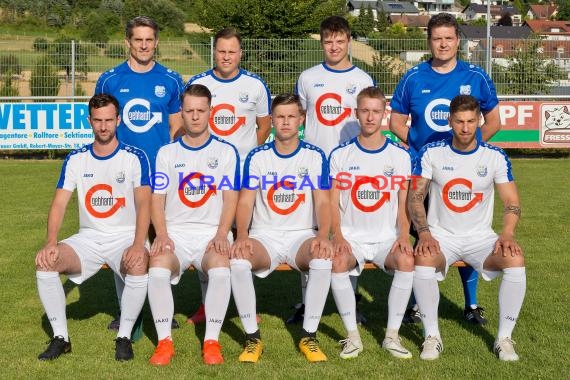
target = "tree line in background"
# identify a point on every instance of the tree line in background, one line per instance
(268, 21)
(97, 20)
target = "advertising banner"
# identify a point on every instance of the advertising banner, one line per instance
(525, 124)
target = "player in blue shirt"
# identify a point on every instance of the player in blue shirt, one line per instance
(424, 94)
(148, 95)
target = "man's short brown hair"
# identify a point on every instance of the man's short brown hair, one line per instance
(333, 25)
(140, 21)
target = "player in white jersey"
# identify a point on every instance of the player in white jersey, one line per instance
(240, 115)
(241, 100)
(113, 192)
(424, 93)
(149, 97)
(328, 94)
(328, 90)
(285, 187)
(192, 213)
(461, 174)
(369, 221)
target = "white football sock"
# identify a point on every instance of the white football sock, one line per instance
(317, 291)
(52, 296)
(511, 296)
(161, 301)
(426, 291)
(398, 297)
(132, 303)
(244, 293)
(217, 300)
(344, 299)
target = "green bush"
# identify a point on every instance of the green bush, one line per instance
(7, 89)
(60, 54)
(10, 64)
(40, 44)
(79, 91)
(115, 51)
(44, 80)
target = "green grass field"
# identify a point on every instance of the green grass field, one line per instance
(26, 188)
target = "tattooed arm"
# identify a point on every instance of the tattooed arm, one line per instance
(506, 244)
(416, 196)
(427, 245)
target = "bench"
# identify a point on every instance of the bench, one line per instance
(457, 264)
(137, 329)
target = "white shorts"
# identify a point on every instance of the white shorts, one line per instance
(95, 249)
(472, 250)
(369, 252)
(282, 247)
(190, 247)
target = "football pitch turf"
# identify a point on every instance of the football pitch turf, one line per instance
(542, 333)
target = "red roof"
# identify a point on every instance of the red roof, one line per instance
(543, 11)
(547, 26)
(548, 48)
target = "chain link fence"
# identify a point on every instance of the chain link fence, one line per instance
(31, 68)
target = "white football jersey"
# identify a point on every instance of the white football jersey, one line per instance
(105, 186)
(329, 97)
(194, 179)
(236, 103)
(461, 194)
(284, 186)
(369, 181)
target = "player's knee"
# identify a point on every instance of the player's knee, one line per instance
(513, 261)
(163, 261)
(424, 261)
(340, 264)
(405, 263)
(138, 269)
(217, 261)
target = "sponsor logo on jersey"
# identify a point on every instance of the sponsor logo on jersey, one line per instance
(389, 170)
(436, 115)
(368, 200)
(482, 170)
(179, 165)
(243, 97)
(100, 202)
(458, 195)
(426, 91)
(330, 111)
(271, 172)
(448, 168)
(319, 85)
(124, 90)
(87, 175)
(120, 177)
(284, 202)
(194, 194)
(224, 121)
(350, 88)
(465, 89)
(352, 168)
(160, 91)
(212, 162)
(138, 117)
